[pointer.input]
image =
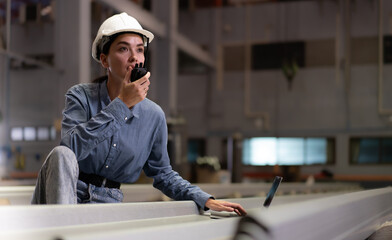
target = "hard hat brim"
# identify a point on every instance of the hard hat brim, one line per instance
(143, 32)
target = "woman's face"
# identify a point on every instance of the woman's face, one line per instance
(126, 51)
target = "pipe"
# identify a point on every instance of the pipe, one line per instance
(247, 93)
(337, 43)
(347, 62)
(6, 75)
(381, 110)
(8, 26)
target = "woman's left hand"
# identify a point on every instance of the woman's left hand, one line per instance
(219, 205)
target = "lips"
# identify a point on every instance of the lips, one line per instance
(132, 65)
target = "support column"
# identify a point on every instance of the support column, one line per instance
(84, 40)
(166, 70)
(72, 42)
(4, 93)
(4, 106)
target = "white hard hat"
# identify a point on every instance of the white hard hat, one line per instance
(116, 24)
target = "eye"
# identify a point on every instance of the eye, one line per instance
(123, 49)
(140, 50)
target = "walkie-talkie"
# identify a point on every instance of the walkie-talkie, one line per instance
(138, 71)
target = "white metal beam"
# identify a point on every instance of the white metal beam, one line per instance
(21, 195)
(348, 216)
(28, 60)
(194, 50)
(146, 19)
(158, 28)
(306, 217)
(45, 216)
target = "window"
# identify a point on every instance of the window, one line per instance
(29, 134)
(41, 133)
(189, 65)
(274, 55)
(371, 150)
(17, 134)
(196, 148)
(263, 151)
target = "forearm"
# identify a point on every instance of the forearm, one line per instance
(177, 188)
(81, 136)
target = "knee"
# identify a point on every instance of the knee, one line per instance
(61, 156)
(63, 151)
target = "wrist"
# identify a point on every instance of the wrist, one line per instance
(123, 100)
(209, 203)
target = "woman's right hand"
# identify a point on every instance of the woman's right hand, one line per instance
(134, 92)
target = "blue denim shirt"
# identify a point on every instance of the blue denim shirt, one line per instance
(117, 143)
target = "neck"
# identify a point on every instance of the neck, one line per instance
(114, 88)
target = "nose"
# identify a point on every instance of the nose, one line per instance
(132, 57)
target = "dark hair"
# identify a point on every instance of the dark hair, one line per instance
(107, 41)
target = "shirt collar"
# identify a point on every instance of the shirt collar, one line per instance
(136, 110)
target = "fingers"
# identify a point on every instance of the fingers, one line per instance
(225, 208)
(128, 75)
(219, 205)
(145, 79)
(237, 208)
(241, 211)
(145, 83)
(142, 84)
(134, 92)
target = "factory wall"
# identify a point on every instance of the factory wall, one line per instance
(321, 102)
(329, 97)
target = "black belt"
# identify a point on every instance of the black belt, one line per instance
(98, 180)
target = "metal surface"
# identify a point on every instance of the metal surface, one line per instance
(349, 216)
(45, 216)
(21, 195)
(69, 232)
(307, 216)
(212, 229)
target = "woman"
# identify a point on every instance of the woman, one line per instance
(111, 131)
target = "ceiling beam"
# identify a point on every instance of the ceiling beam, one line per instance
(158, 28)
(146, 19)
(194, 50)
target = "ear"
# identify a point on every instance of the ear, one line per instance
(104, 60)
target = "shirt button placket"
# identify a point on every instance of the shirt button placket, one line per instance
(114, 145)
